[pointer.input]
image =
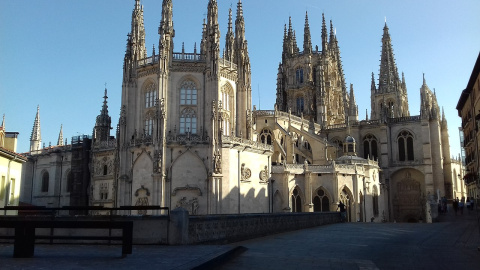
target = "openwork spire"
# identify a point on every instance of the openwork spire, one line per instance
(324, 35)
(307, 39)
(60, 136)
(229, 38)
(388, 69)
(36, 134)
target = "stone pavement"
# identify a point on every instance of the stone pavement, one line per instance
(449, 244)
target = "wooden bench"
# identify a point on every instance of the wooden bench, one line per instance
(25, 235)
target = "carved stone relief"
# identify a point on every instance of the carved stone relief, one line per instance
(190, 205)
(142, 195)
(245, 172)
(264, 175)
(217, 163)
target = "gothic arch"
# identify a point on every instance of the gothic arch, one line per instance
(405, 140)
(408, 194)
(297, 199)
(337, 142)
(186, 78)
(321, 200)
(346, 196)
(189, 179)
(45, 182)
(370, 146)
(144, 151)
(194, 154)
(277, 202)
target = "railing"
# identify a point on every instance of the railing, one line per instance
(191, 57)
(105, 144)
(415, 118)
(148, 61)
(246, 143)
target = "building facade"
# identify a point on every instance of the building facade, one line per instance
(10, 170)
(188, 135)
(468, 107)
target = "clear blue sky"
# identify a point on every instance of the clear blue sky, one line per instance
(59, 54)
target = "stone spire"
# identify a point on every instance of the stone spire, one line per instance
(388, 69)
(36, 136)
(229, 39)
(3, 123)
(324, 35)
(137, 33)
(353, 113)
(136, 49)
(103, 122)
(391, 89)
(213, 39)
(244, 81)
(60, 136)
(307, 39)
(429, 108)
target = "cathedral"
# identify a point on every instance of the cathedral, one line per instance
(189, 137)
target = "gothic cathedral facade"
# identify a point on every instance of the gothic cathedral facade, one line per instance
(188, 136)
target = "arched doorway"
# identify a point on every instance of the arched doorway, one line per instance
(408, 195)
(296, 200)
(346, 198)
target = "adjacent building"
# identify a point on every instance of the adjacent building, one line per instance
(468, 107)
(10, 170)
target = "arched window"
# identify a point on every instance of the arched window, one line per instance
(69, 181)
(188, 121)
(321, 202)
(45, 182)
(227, 99)
(188, 93)
(299, 76)
(405, 146)
(300, 105)
(148, 125)
(296, 201)
(339, 146)
(370, 147)
(150, 95)
(105, 169)
(375, 201)
(266, 136)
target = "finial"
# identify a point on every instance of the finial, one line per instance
(3, 122)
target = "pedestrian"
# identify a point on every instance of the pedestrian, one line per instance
(343, 212)
(455, 205)
(461, 204)
(444, 204)
(468, 204)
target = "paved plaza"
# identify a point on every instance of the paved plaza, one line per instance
(449, 244)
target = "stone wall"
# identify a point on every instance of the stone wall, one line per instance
(183, 229)
(232, 228)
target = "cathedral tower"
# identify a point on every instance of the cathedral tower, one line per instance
(390, 98)
(311, 83)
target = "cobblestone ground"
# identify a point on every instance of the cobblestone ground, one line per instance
(449, 244)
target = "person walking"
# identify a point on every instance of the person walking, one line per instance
(461, 205)
(343, 212)
(455, 205)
